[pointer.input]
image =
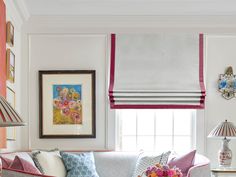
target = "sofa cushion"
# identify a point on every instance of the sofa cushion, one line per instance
(145, 161)
(79, 165)
(21, 164)
(49, 163)
(120, 164)
(23, 155)
(6, 162)
(184, 162)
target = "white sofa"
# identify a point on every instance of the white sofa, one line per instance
(122, 164)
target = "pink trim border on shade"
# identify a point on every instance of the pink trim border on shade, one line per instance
(201, 69)
(127, 106)
(112, 69)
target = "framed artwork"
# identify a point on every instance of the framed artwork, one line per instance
(11, 131)
(10, 66)
(67, 104)
(10, 34)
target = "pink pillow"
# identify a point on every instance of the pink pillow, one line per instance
(183, 162)
(23, 165)
(6, 162)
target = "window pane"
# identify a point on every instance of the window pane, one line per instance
(127, 113)
(145, 122)
(146, 143)
(128, 122)
(155, 130)
(182, 122)
(182, 144)
(163, 143)
(164, 122)
(128, 143)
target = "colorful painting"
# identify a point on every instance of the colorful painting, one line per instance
(67, 104)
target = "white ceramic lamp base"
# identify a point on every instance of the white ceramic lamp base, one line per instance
(225, 154)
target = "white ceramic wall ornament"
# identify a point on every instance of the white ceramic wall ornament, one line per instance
(227, 84)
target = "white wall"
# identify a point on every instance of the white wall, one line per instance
(220, 54)
(13, 16)
(43, 53)
(67, 52)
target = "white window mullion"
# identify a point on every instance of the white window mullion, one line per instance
(136, 130)
(155, 130)
(193, 129)
(173, 130)
(127, 130)
(119, 130)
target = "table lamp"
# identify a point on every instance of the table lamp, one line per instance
(225, 130)
(8, 118)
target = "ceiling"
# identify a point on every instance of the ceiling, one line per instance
(129, 7)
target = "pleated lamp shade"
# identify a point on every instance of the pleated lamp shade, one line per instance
(224, 129)
(8, 116)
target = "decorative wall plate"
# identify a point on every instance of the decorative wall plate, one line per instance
(227, 84)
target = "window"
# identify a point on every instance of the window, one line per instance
(156, 130)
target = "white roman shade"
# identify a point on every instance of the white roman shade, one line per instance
(156, 71)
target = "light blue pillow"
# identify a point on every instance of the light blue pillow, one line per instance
(79, 165)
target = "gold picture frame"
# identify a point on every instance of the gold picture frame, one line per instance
(11, 131)
(10, 66)
(10, 34)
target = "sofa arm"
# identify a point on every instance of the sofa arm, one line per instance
(201, 170)
(19, 173)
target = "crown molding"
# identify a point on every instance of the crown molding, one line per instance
(74, 24)
(13, 14)
(124, 8)
(132, 7)
(22, 9)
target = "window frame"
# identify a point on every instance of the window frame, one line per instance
(193, 133)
